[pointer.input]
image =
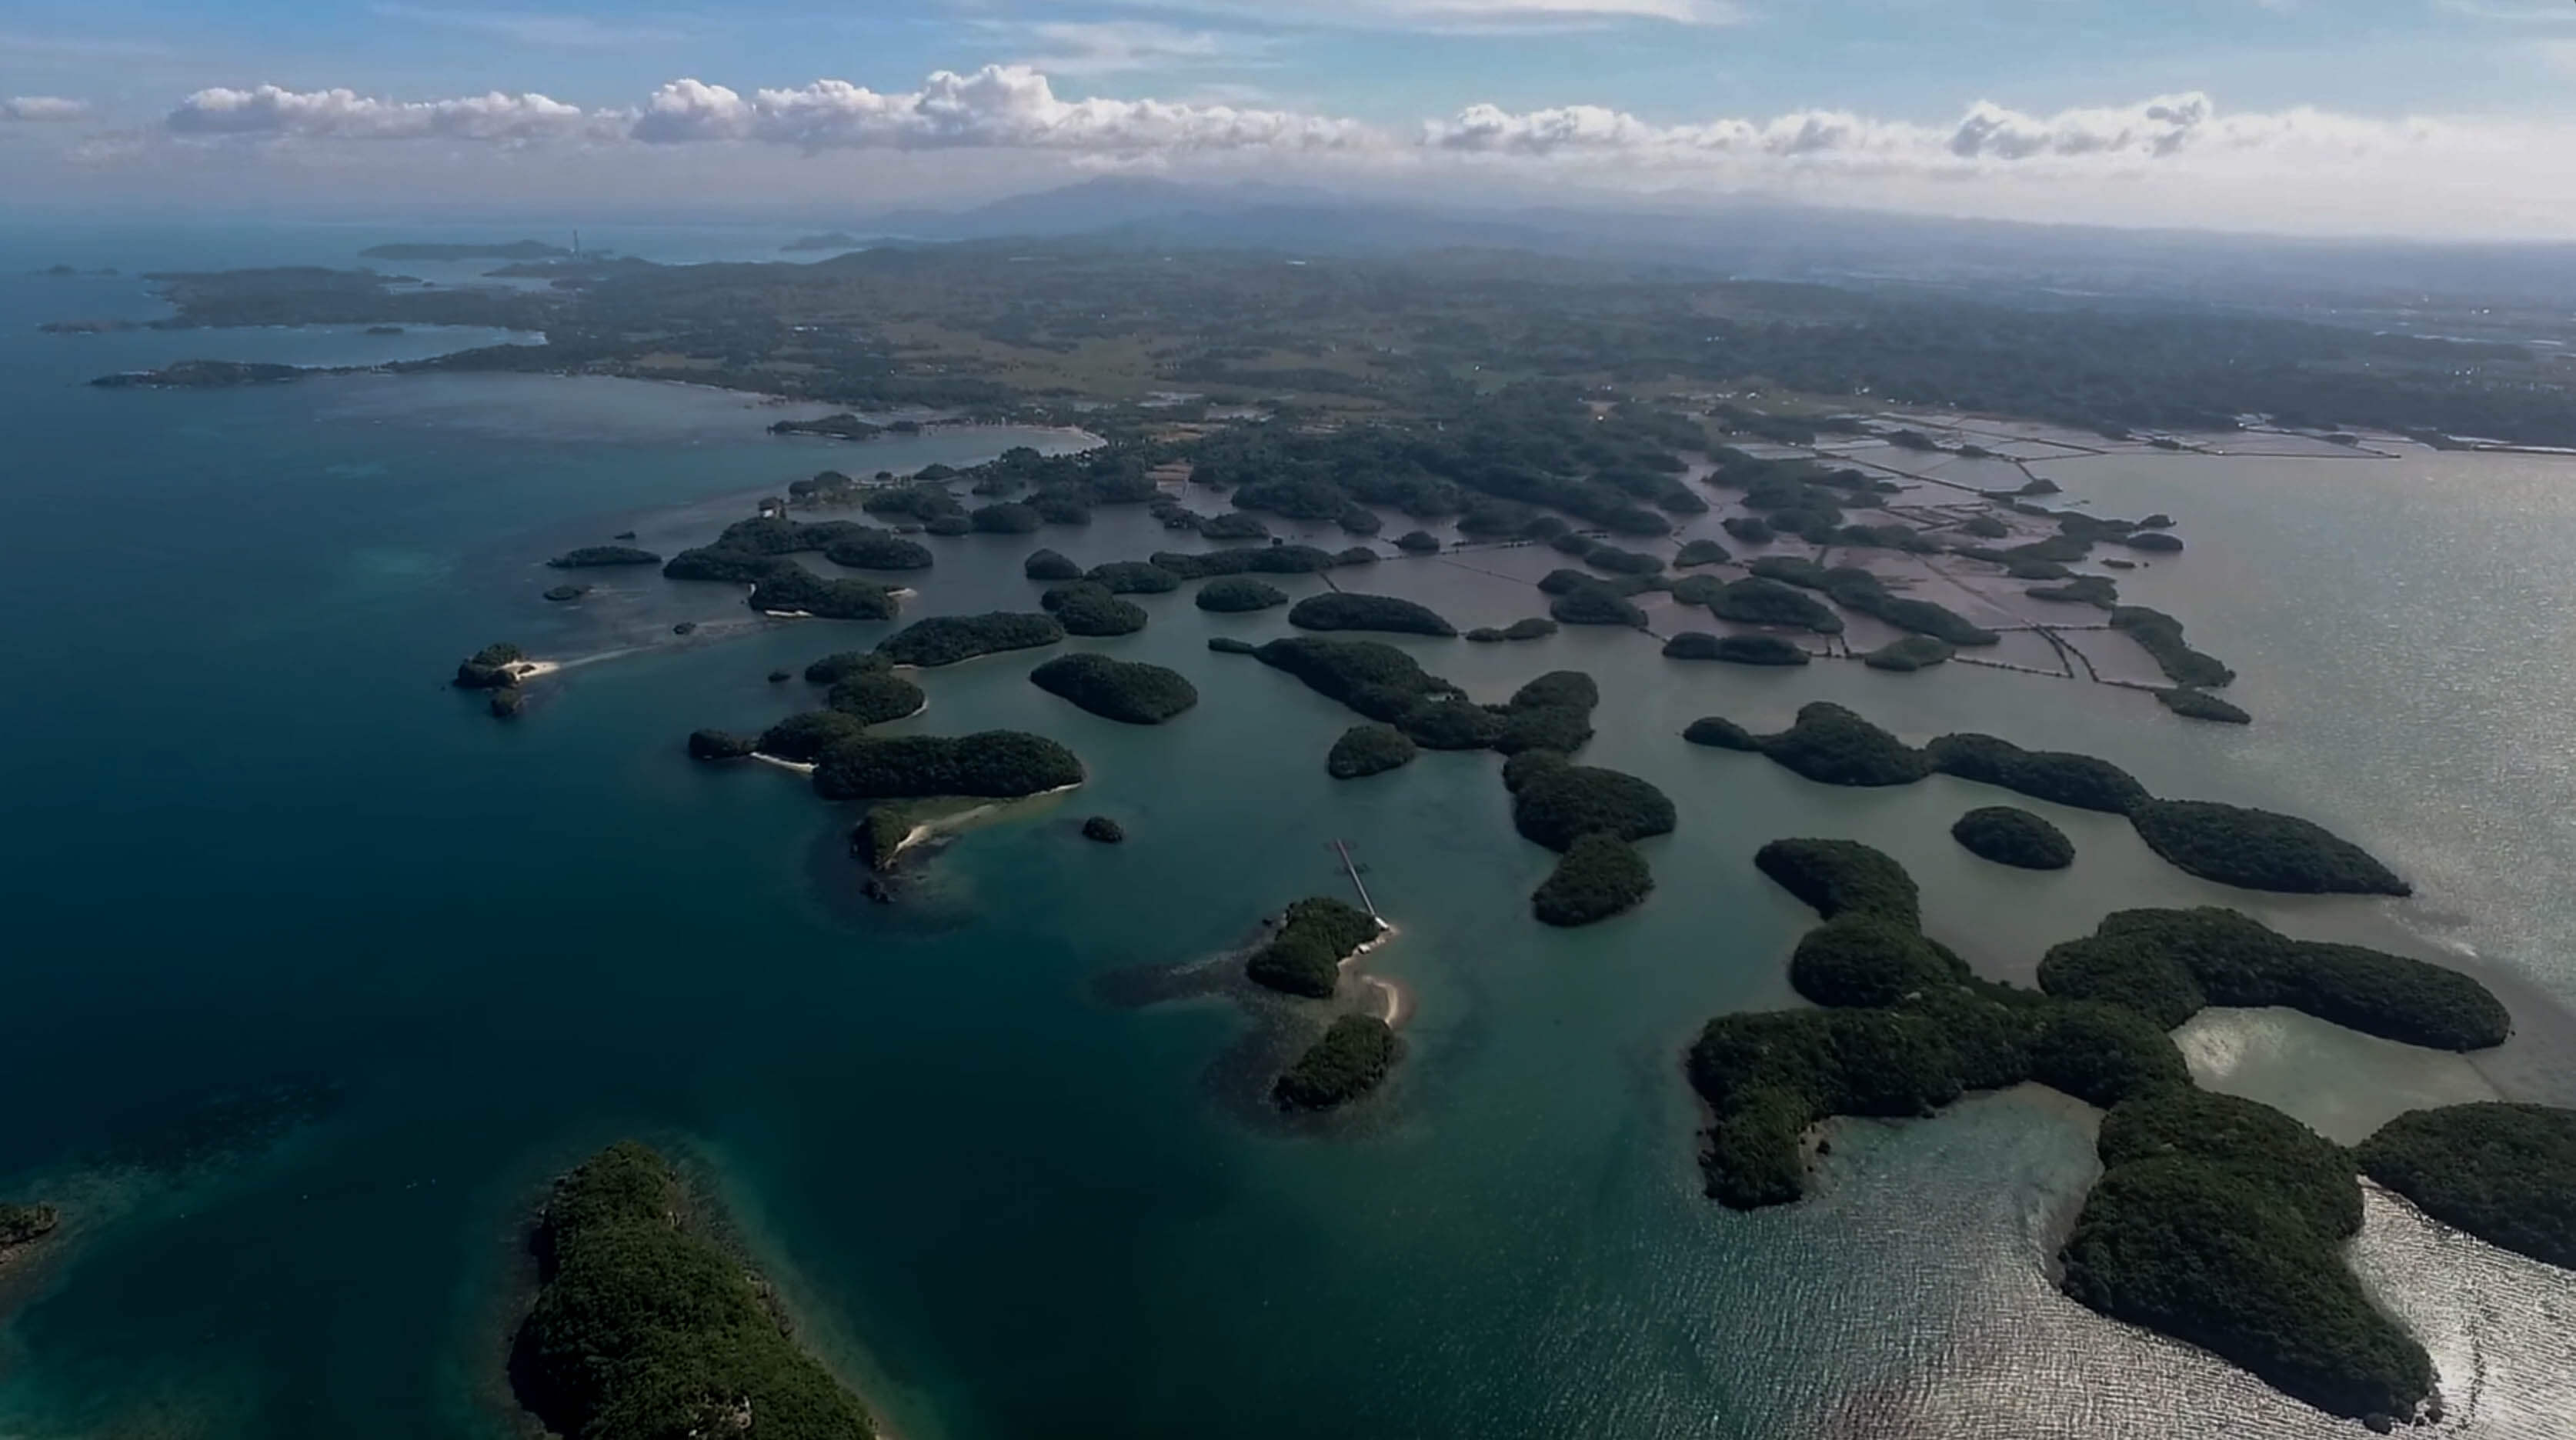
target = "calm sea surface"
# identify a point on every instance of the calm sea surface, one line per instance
(316, 974)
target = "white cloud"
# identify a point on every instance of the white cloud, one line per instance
(1471, 15)
(1987, 136)
(1009, 106)
(269, 110)
(36, 109)
(1118, 47)
(530, 28)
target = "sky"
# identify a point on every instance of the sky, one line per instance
(2444, 119)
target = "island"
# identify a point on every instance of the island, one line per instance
(643, 1325)
(1133, 577)
(801, 739)
(721, 745)
(203, 375)
(589, 556)
(1048, 565)
(873, 697)
(1305, 951)
(1104, 830)
(990, 764)
(2216, 1220)
(828, 240)
(868, 548)
(1343, 610)
(1417, 542)
(2505, 1173)
(2168, 964)
(1599, 876)
(2194, 704)
(497, 666)
(1351, 1059)
(1909, 654)
(1005, 517)
(1594, 605)
(949, 639)
(1755, 600)
(1562, 803)
(1536, 627)
(2010, 836)
(561, 593)
(1370, 749)
(25, 1224)
(2260, 850)
(1735, 649)
(1700, 552)
(1828, 744)
(1129, 691)
(1084, 608)
(789, 589)
(1239, 594)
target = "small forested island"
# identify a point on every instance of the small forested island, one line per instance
(868, 548)
(1084, 608)
(1911, 653)
(1370, 749)
(643, 1326)
(2194, 704)
(1050, 566)
(801, 739)
(841, 426)
(1239, 594)
(948, 639)
(1133, 577)
(1304, 953)
(1104, 830)
(589, 556)
(494, 667)
(2505, 1173)
(2168, 964)
(720, 745)
(2011, 836)
(1556, 804)
(1349, 1061)
(486, 250)
(566, 592)
(1595, 605)
(2229, 844)
(990, 764)
(1735, 649)
(1342, 610)
(788, 588)
(875, 696)
(1600, 876)
(1755, 600)
(1130, 691)
(1536, 627)
(2216, 1220)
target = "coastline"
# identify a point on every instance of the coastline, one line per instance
(963, 820)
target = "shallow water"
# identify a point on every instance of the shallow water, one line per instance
(255, 834)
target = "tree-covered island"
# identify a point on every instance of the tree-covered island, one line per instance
(1349, 1061)
(1130, 691)
(1304, 953)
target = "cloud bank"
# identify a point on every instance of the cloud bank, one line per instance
(42, 109)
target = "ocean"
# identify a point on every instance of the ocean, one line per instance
(319, 974)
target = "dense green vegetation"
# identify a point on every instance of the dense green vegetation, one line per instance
(1229, 645)
(1133, 577)
(566, 592)
(873, 697)
(2222, 1222)
(788, 588)
(1049, 565)
(1341, 610)
(1370, 749)
(1131, 691)
(1563, 804)
(1258, 560)
(1374, 678)
(868, 548)
(1350, 1060)
(948, 639)
(877, 840)
(490, 667)
(1836, 878)
(2009, 836)
(2260, 850)
(1104, 830)
(1239, 594)
(1829, 743)
(2201, 705)
(1600, 876)
(720, 745)
(1000, 764)
(2168, 964)
(2160, 635)
(2504, 1173)
(715, 562)
(2079, 781)
(1909, 654)
(589, 556)
(1756, 600)
(642, 1329)
(1735, 649)
(803, 738)
(2096, 590)
(1084, 608)
(1700, 552)
(841, 665)
(1305, 951)
(1536, 627)
(1595, 605)
(1417, 542)
(2216, 1220)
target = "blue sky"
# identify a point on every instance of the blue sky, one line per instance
(2266, 114)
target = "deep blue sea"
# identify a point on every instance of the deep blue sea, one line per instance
(317, 974)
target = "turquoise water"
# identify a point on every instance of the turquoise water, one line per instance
(252, 835)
